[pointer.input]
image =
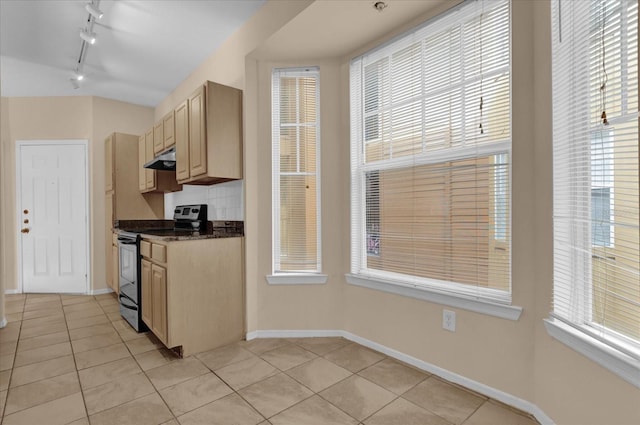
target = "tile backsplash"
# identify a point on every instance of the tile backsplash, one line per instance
(225, 200)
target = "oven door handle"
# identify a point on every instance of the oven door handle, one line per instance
(126, 241)
(130, 307)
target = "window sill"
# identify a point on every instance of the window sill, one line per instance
(297, 279)
(503, 311)
(622, 365)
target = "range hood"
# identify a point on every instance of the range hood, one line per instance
(164, 161)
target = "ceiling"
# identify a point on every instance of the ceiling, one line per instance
(144, 48)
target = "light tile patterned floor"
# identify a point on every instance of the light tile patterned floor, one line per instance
(73, 360)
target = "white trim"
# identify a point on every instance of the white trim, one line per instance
(479, 387)
(606, 356)
(477, 305)
(3, 322)
(297, 279)
(54, 142)
(12, 291)
(101, 291)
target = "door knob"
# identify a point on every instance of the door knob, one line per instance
(25, 230)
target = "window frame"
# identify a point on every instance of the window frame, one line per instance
(470, 297)
(576, 326)
(279, 276)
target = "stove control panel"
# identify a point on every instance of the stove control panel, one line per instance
(190, 212)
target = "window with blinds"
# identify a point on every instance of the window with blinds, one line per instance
(595, 155)
(295, 166)
(430, 155)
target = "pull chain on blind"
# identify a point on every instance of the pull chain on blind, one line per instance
(595, 154)
(295, 177)
(430, 161)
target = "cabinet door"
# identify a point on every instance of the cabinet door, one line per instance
(158, 137)
(150, 180)
(159, 300)
(142, 155)
(168, 124)
(182, 141)
(108, 212)
(197, 134)
(108, 164)
(146, 295)
(115, 271)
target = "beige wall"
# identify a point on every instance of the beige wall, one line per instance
(303, 306)
(50, 118)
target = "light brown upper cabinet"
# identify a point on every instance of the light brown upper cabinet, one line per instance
(164, 134)
(182, 141)
(197, 134)
(211, 152)
(150, 175)
(168, 128)
(151, 180)
(158, 137)
(142, 158)
(108, 163)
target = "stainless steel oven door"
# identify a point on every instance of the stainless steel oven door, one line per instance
(128, 279)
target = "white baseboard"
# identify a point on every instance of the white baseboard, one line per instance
(101, 291)
(420, 364)
(12, 291)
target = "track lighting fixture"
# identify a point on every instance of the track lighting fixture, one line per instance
(94, 11)
(89, 37)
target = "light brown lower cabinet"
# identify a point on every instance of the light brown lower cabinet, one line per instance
(159, 301)
(193, 292)
(115, 265)
(147, 300)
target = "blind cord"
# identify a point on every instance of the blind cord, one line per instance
(604, 76)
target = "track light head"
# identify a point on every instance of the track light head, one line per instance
(89, 37)
(74, 83)
(94, 11)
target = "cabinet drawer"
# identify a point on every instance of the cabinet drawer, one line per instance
(159, 253)
(145, 249)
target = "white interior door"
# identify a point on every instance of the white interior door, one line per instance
(52, 201)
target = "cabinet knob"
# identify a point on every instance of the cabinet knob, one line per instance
(26, 211)
(26, 221)
(25, 230)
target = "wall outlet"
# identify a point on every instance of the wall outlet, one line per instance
(449, 320)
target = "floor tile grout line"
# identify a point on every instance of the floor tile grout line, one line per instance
(4, 407)
(75, 364)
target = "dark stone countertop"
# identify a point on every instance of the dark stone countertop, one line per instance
(162, 230)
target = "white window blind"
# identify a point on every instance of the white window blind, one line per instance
(430, 156)
(595, 165)
(296, 165)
